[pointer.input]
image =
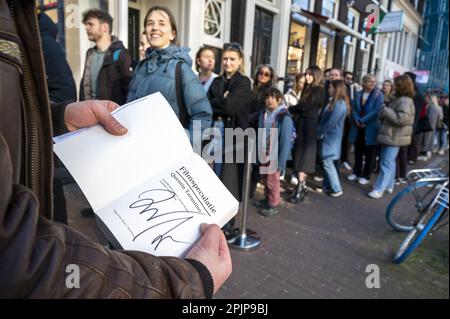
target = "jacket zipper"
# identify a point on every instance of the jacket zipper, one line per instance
(32, 160)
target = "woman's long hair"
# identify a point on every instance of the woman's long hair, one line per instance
(317, 74)
(273, 76)
(341, 94)
(404, 86)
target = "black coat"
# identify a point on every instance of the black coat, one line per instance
(234, 110)
(306, 117)
(61, 85)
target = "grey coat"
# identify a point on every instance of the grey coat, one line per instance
(434, 114)
(397, 122)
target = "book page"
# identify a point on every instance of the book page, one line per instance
(105, 166)
(163, 215)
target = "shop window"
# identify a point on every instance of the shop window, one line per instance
(296, 50)
(322, 51)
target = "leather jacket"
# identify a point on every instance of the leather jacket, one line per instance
(35, 252)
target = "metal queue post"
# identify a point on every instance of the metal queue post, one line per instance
(246, 239)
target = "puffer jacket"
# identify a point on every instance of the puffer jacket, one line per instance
(35, 252)
(397, 122)
(157, 74)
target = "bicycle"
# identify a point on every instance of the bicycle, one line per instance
(428, 194)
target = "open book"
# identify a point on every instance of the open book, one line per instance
(148, 188)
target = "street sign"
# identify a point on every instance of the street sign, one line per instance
(423, 76)
(392, 22)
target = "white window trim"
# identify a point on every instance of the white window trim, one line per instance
(225, 25)
(272, 7)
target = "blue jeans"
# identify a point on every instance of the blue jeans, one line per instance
(331, 178)
(386, 179)
(441, 139)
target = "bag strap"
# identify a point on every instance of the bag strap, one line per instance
(183, 115)
(116, 55)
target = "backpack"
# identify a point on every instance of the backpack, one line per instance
(294, 130)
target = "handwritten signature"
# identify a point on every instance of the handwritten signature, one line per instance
(148, 203)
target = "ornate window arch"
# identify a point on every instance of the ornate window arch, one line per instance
(216, 22)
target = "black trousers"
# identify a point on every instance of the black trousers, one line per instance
(402, 162)
(346, 145)
(414, 148)
(364, 152)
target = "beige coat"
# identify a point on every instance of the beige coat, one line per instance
(397, 122)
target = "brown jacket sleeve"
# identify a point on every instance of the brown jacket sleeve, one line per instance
(35, 254)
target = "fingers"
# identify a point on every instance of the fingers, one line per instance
(105, 118)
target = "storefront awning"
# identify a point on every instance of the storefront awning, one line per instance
(332, 24)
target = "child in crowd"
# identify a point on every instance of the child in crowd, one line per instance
(275, 119)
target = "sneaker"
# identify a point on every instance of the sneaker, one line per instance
(319, 189)
(294, 180)
(282, 179)
(260, 204)
(411, 163)
(336, 195)
(231, 234)
(422, 158)
(441, 152)
(268, 211)
(318, 179)
(429, 154)
(375, 194)
(352, 177)
(389, 190)
(402, 180)
(363, 181)
(347, 166)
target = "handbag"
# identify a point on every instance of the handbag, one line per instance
(423, 125)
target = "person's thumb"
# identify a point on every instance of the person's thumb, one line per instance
(110, 123)
(210, 236)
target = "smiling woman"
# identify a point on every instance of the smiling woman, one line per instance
(166, 68)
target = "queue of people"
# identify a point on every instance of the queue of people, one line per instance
(309, 130)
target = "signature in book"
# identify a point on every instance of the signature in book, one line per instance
(148, 204)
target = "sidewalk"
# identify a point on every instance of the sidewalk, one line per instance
(321, 248)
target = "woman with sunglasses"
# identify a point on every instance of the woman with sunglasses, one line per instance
(158, 72)
(306, 114)
(264, 79)
(230, 95)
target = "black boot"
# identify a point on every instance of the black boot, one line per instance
(300, 193)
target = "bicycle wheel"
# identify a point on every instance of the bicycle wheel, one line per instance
(403, 211)
(416, 236)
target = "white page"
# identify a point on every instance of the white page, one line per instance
(163, 215)
(105, 166)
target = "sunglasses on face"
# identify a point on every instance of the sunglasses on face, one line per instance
(266, 74)
(349, 79)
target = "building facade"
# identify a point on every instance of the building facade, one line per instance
(288, 35)
(260, 26)
(433, 56)
(396, 52)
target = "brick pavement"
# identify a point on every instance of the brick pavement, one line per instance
(320, 249)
